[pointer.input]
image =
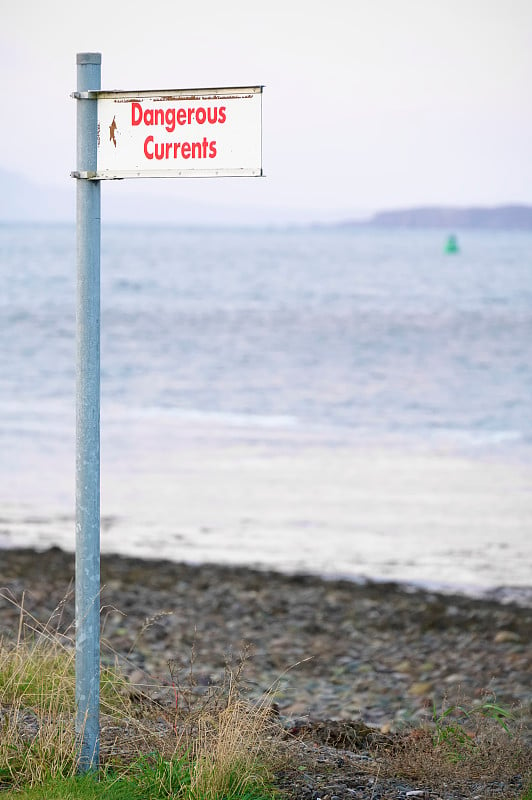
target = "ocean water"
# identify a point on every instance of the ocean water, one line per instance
(327, 338)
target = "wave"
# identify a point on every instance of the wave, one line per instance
(222, 418)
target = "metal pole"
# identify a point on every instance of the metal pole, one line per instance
(88, 421)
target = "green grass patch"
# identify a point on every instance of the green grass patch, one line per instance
(149, 778)
(73, 788)
(40, 672)
(528, 793)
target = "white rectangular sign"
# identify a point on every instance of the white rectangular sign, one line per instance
(181, 133)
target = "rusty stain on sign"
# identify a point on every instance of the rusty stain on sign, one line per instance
(174, 97)
(112, 129)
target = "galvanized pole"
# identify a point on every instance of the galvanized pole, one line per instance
(88, 419)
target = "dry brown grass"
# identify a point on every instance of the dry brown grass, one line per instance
(232, 749)
(37, 701)
(232, 741)
(469, 741)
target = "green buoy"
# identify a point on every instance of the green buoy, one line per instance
(451, 245)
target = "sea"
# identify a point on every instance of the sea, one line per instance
(263, 390)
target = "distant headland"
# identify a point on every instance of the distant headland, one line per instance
(507, 217)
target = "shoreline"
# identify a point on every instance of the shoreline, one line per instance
(520, 596)
(504, 594)
(334, 649)
(287, 502)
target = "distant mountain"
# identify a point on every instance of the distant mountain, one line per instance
(22, 200)
(508, 217)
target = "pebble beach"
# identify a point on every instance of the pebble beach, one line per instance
(375, 652)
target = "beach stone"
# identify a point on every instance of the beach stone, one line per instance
(295, 709)
(137, 677)
(404, 666)
(502, 637)
(455, 678)
(420, 689)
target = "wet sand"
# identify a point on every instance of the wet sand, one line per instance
(288, 501)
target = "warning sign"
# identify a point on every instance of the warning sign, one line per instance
(182, 133)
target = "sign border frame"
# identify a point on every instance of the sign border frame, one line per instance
(166, 95)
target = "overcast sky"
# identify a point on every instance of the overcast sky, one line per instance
(368, 104)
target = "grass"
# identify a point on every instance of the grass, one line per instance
(147, 750)
(465, 741)
(150, 778)
(456, 728)
(74, 788)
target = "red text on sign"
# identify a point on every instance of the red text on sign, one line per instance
(172, 150)
(171, 116)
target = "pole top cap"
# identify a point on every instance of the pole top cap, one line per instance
(89, 58)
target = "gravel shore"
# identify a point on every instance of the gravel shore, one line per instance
(377, 653)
